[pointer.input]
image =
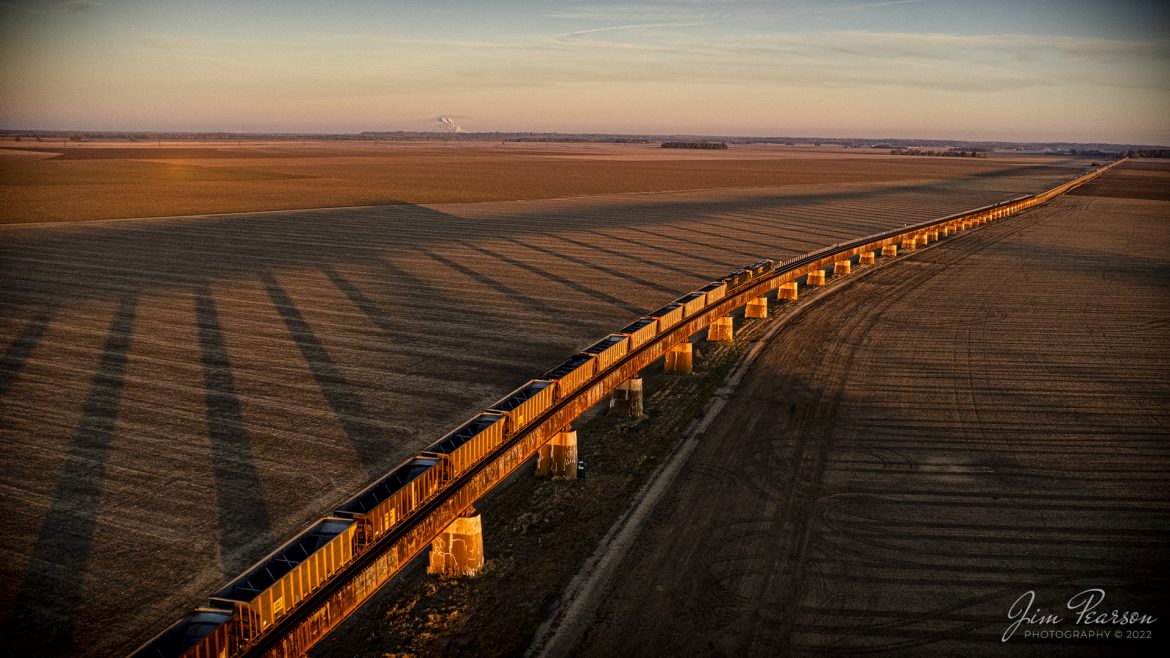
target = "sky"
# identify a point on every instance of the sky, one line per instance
(1012, 70)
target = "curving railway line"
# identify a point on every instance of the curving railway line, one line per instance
(985, 419)
(283, 605)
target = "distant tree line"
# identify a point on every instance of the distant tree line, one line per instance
(714, 146)
(1146, 153)
(1093, 153)
(949, 153)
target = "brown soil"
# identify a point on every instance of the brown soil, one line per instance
(178, 396)
(100, 182)
(907, 459)
(859, 516)
(1138, 179)
(528, 521)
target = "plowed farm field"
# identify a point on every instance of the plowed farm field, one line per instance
(179, 395)
(917, 452)
(71, 181)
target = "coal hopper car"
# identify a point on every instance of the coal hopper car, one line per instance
(380, 506)
(272, 588)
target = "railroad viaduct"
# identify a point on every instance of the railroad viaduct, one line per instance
(331, 569)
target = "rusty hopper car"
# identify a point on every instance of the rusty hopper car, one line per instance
(205, 633)
(608, 350)
(746, 275)
(762, 266)
(715, 291)
(570, 375)
(274, 586)
(737, 278)
(667, 316)
(524, 404)
(382, 504)
(640, 331)
(692, 303)
(465, 446)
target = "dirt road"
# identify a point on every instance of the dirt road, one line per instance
(915, 453)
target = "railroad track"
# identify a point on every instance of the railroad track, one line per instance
(290, 600)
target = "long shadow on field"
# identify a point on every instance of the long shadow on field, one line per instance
(1124, 269)
(413, 355)
(551, 276)
(822, 522)
(534, 347)
(631, 257)
(21, 347)
(243, 515)
(52, 590)
(606, 238)
(541, 308)
(689, 256)
(690, 240)
(513, 360)
(676, 212)
(107, 259)
(625, 276)
(367, 438)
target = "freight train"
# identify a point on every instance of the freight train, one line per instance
(245, 609)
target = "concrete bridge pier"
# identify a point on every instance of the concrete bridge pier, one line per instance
(842, 267)
(787, 291)
(866, 258)
(627, 399)
(816, 278)
(558, 457)
(721, 331)
(458, 550)
(680, 359)
(889, 250)
(756, 308)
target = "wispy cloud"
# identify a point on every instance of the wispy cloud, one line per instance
(680, 53)
(649, 13)
(79, 6)
(975, 63)
(863, 6)
(634, 27)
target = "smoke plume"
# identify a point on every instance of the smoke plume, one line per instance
(448, 125)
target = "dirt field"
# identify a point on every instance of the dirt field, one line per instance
(1140, 179)
(178, 396)
(916, 452)
(69, 182)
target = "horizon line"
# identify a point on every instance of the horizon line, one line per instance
(16, 132)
